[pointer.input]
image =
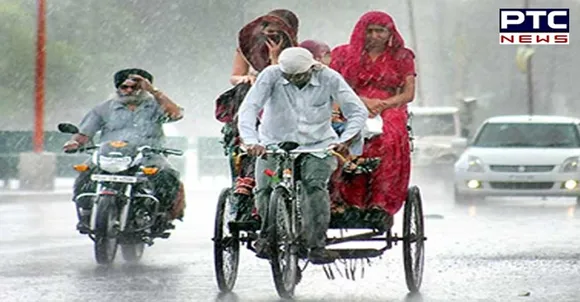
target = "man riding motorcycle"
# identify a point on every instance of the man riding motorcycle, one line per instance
(296, 97)
(135, 113)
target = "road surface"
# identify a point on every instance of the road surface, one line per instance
(499, 250)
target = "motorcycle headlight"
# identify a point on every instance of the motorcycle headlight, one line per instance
(114, 164)
(570, 164)
(474, 164)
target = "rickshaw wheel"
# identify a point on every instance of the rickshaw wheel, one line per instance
(413, 239)
(226, 247)
(283, 233)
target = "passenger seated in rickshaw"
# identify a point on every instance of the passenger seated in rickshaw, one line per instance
(352, 164)
(321, 53)
(381, 71)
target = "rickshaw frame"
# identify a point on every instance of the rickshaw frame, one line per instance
(245, 233)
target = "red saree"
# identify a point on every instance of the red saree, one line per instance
(386, 187)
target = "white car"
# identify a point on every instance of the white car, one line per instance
(437, 136)
(520, 156)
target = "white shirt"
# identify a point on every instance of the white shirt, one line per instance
(300, 115)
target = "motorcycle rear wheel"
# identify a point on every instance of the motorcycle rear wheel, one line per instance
(132, 252)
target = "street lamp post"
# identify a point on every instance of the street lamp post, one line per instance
(529, 79)
(420, 101)
(38, 138)
(37, 169)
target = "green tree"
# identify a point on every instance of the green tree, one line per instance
(17, 65)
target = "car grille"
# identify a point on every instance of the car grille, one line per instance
(521, 185)
(521, 169)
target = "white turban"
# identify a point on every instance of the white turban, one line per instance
(294, 60)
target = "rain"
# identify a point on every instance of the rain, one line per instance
(519, 248)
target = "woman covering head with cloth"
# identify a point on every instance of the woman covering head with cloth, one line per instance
(259, 45)
(381, 70)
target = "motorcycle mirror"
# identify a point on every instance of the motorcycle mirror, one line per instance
(174, 152)
(68, 128)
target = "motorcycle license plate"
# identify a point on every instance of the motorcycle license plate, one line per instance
(114, 178)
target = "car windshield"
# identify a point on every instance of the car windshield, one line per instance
(528, 135)
(433, 125)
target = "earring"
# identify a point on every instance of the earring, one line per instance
(390, 43)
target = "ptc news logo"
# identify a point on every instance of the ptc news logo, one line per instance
(534, 26)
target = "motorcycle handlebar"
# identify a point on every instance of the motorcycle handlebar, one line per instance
(144, 149)
(81, 149)
(167, 151)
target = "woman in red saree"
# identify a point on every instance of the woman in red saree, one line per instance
(381, 71)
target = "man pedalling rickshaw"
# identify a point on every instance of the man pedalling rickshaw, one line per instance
(281, 228)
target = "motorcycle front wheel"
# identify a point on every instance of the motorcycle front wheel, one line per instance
(105, 232)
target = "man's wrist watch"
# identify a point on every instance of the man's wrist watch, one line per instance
(155, 90)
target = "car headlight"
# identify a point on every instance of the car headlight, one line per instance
(474, 164)
(570, 164)
(114, 164)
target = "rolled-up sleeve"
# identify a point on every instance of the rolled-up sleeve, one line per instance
(352, 108)
(253, 102)
(91, 123)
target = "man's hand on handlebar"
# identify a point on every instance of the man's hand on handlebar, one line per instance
(71, 146)
(255, 150)
(76, 142)
(341, 148)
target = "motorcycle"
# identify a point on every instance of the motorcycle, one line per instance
(123, 208)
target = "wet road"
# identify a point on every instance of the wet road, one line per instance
(500, 250)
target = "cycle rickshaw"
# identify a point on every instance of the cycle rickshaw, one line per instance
(284, 216)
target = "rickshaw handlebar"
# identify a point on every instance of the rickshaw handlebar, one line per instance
(301, 151)
(279, 151)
